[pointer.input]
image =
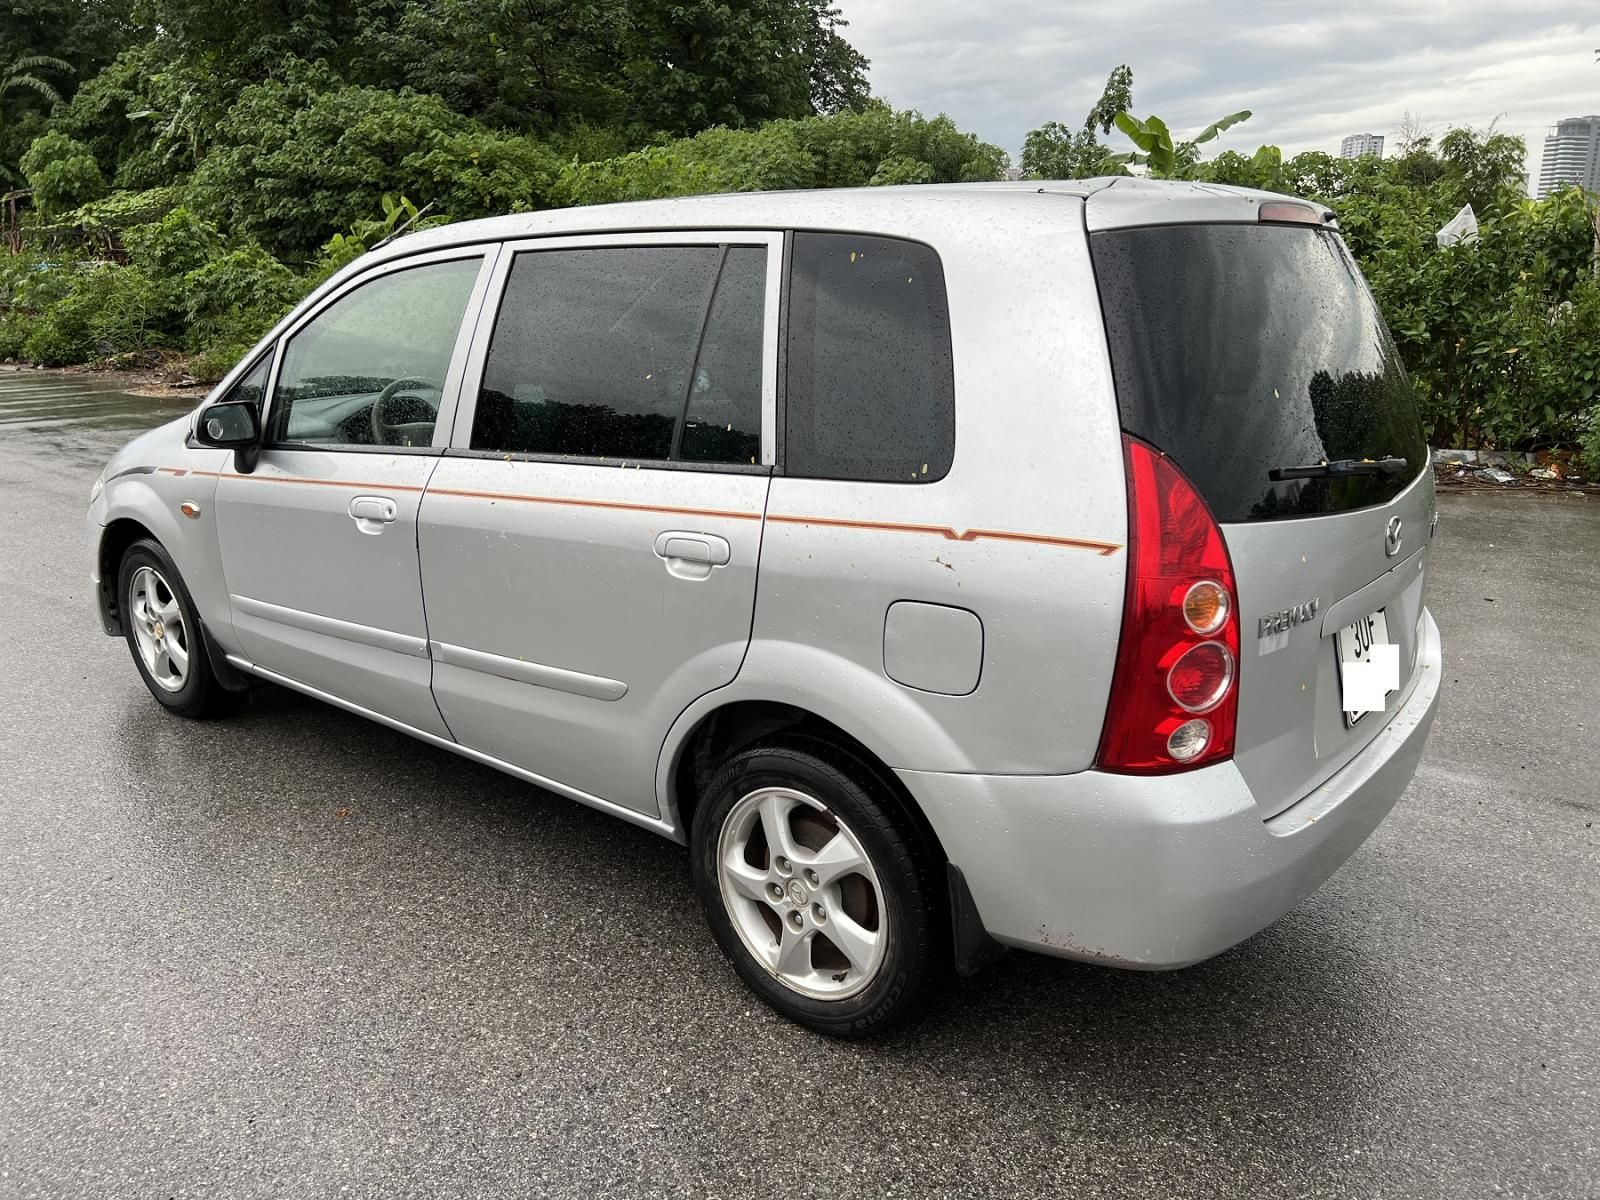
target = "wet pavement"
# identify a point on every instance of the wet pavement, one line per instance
(297, 954)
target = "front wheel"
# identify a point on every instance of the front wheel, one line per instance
(164, 633)
(815, 891)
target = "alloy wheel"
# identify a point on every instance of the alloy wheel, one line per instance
(159, 630)
(802, 893)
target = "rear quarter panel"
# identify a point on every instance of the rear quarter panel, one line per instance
(1027, 530)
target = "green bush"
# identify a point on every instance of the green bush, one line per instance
(14, 330)
(291, 164)
(212, 363)
(62, 173)
(848, 149)
(170, 248)
(238, 297)
(109, 310)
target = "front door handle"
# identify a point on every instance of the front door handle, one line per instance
(372, 513)
(691, 555)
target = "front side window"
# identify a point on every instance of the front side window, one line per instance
(871, 387)
(369, 369)
(642, 353)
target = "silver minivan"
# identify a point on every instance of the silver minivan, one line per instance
(949, 568)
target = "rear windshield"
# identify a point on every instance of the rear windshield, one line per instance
(1241, 349)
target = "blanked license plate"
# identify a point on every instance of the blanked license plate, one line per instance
(1365, 646)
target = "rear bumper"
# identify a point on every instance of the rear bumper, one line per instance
(1166, 871)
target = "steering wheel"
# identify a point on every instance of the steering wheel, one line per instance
(405, 433)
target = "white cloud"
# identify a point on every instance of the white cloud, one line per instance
(1309, 76)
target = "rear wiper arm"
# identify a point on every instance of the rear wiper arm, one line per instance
(1340, 466)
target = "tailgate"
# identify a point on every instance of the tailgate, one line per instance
(1293, 733)
(1253, 354)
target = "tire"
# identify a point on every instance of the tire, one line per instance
(150, 591)
(849, 951)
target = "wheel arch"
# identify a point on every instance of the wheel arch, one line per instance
(115, 538)
(728, 727)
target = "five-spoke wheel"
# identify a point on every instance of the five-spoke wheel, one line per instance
(164, 633)
(818, 887)
(159, 633)
(802, 893)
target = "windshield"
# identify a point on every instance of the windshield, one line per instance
(1241, 350)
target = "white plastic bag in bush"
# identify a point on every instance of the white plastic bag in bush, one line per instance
(1463, 227)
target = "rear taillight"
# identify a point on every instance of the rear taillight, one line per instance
(1175, 694)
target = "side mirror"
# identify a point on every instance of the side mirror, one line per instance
(231, 425)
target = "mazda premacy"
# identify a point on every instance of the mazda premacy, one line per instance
(948, 568)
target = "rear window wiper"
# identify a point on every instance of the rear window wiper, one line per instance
(1340, 466)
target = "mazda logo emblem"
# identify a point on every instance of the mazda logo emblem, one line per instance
(1391, 537)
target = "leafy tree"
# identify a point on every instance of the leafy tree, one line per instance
(290, 164)
(838, 69)
(849, 149)
(521, 64)
(693, 64)
(62, 173)
(1055, 152)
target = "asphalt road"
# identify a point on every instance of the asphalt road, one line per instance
(296, 954)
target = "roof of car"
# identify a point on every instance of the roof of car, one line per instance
(1109, 202)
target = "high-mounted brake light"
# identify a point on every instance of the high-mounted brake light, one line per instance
(1175, 694)
(1288, 210)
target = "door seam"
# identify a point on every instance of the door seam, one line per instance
(422, 591)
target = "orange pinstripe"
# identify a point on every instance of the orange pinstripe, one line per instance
(943, 531)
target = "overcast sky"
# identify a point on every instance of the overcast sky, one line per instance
(1311, 73)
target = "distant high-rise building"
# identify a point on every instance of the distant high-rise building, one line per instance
(1571, 156)
(1359, 144)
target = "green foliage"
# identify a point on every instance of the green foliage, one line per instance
(1157, 150)
(1054, 151)
(399, 216)
(238, 296)
(14, 330)
(108, 310)
(289, 164)
(849, 149)
(215, 361)
(1493, 332)
(178, 243)
(62, 173)
(124, 209)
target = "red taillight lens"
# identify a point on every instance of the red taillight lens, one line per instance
(1201, 677)
(1179, 654)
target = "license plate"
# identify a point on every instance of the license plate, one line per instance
(1365, 644)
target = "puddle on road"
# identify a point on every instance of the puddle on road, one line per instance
(45, 402)
(77, 418)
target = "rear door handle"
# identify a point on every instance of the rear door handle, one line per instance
(691, 555)
(372, 513)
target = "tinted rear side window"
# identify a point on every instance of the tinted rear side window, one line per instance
(629, 352)
(1238, 349)
(870, 386)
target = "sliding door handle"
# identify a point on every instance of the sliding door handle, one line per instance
(692, 555)
(372, 513)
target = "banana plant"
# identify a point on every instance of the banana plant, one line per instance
(1156, 147)
(18, 75)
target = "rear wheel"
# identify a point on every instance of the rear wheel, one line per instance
(814, 891)
(164, 633)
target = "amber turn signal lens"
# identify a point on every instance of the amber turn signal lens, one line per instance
(1205, 606)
